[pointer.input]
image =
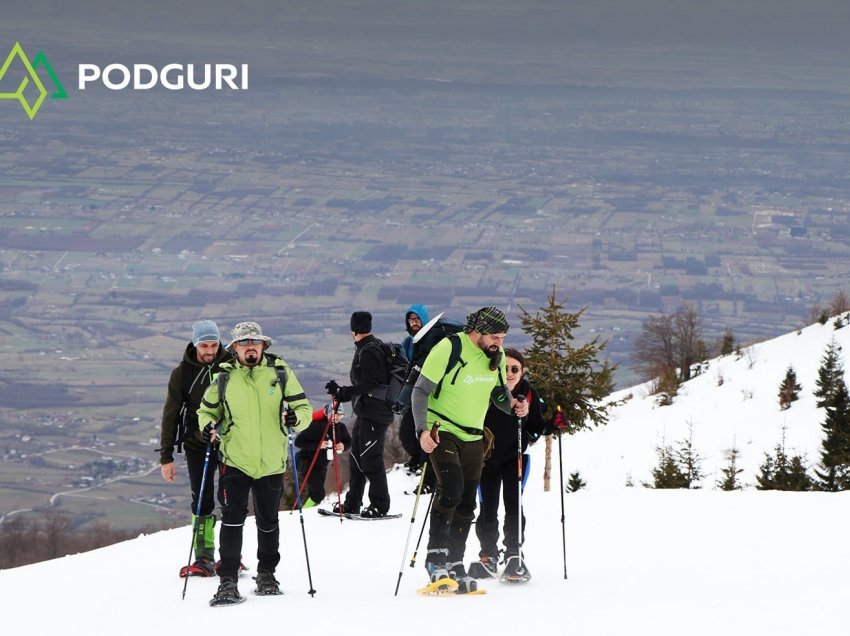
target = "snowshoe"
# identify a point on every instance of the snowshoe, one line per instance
(465, 583)
(267, 585)
(516, 571)
(201, 567)
(441, 582)
(227, 594)
(486, 567)
(372, 513)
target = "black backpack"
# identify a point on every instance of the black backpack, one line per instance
(441, 329)
(396, 364)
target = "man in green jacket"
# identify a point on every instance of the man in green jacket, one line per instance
(249, 424)
(449, 402)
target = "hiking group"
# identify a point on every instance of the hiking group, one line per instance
(466, 414)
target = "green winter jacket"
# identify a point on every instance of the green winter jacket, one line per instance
(252, 436)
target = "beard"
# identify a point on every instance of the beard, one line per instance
(251, 358)
(206, 358)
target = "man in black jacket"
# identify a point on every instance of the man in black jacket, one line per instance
(186, 387)
(369, 368)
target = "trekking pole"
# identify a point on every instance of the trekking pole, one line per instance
(563, 517)
(422, 530)
(311, 591)
(334, 410)
(197, 515)
(413, 516)
(310, 467)
(519, 538)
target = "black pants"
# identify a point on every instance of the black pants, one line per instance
(233, 489)
(457, 465)
(493, 479)
(410, 444)
(195, 464)
(367, 464)
(316, 480)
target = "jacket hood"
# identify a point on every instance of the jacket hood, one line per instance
(190, 355)
(420, 311)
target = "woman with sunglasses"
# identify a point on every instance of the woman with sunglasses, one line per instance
(501, 473)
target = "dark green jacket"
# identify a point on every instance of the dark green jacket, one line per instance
(188, 381)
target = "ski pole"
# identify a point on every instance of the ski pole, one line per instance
(312, 463)
(519, 538)
(422, 530)
(413, 515)
(311, 591)
(335, 404)
(563, 517)
(197, 515)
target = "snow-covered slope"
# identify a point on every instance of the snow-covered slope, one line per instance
(639, 561)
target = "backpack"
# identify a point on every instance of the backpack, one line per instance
(396, 363)
(441, 329)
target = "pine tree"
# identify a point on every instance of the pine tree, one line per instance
(575, 482)
(778, 472)
(667, 474)
(727, 344)
(731, 472)
(834, 471)
(789, 390)
(830, 371)
(567, 376)
(689, 460)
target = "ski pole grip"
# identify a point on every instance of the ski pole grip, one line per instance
(434, 430)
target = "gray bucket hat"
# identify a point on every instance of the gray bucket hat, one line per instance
(246, 330)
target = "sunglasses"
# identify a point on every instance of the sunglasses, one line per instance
(253, 341)
(514, 369)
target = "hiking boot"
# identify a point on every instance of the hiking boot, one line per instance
(267, 585)
(487, 567)
(516, 571)
(465, 583)
(372, 513)
(413, 468)
(436, 571)
(227, 594)
(201, 567)
(345, 510)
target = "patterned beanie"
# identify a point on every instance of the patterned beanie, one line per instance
(486, 321)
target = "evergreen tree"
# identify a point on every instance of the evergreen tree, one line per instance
(834, 471)
(789, 390)
(778, 472)
(830, 372)
(689, 461)
(567, 376)
(727, 344)
(667, 474)
(731, 472)
(575, 482)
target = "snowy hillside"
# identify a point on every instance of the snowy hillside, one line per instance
(734, 402)
(639, 561)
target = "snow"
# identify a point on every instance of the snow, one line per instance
(639, 561)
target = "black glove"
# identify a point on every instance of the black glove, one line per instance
(290, 418)
(206, 434)
(332, 388)
(343, 393)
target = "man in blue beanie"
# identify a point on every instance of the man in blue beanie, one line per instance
(186, 387)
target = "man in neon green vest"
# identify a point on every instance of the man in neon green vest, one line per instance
(461, 376)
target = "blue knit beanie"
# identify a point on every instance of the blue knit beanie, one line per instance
(205, 331)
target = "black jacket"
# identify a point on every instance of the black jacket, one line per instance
(188, 381)
(369, 367)
(504, 426)
(311, 437)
